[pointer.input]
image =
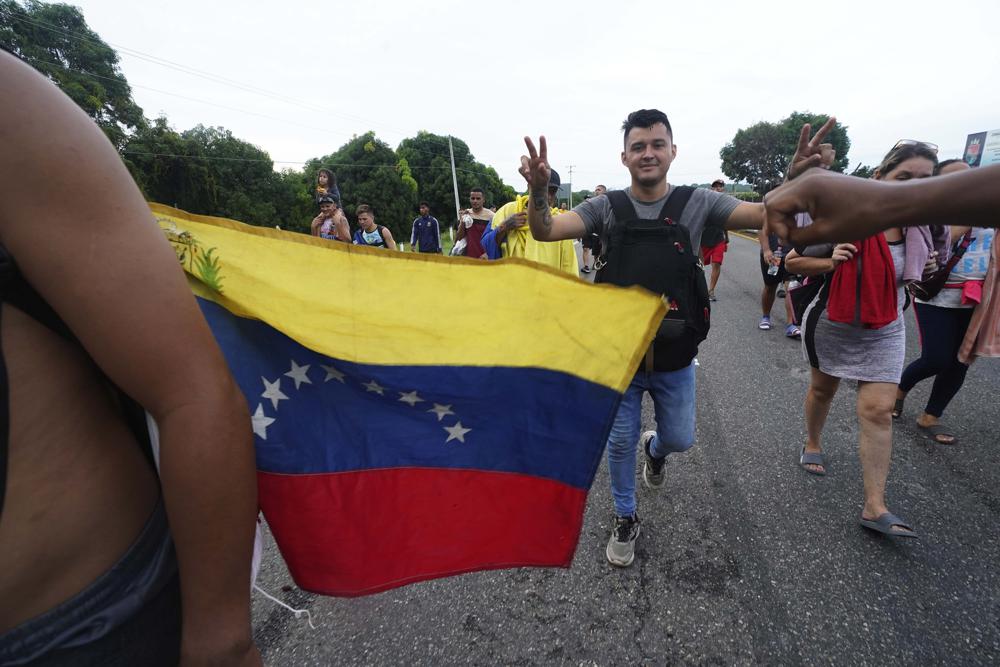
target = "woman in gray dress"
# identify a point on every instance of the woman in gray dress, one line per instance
(871, 354)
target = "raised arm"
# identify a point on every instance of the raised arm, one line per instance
(845, 208)
(544, 226)
(96, 255)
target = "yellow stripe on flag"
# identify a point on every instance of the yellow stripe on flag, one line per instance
(371, 305)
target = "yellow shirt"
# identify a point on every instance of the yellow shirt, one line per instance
(520, 243)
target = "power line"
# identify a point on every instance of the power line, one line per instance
(252, 113)
(249, 159)
(214, 78)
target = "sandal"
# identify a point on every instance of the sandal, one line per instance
(897, 408)
(812, 458)
(935, 431)
(889, 524)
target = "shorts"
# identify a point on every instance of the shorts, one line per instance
(713, 254)
(775, 280)
(130, 615)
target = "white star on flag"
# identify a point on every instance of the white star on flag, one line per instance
(374, 386)
(272, 390)
(410, 397)
(332, 374)
(441, 411)
(298, 373)
(456, 432)
(260, 422)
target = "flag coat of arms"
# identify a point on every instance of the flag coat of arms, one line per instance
(414, 416)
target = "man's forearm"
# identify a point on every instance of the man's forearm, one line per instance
(540, 215)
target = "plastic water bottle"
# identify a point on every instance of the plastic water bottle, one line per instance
(772, 270)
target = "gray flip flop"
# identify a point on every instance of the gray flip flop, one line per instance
(884, 524)
(812, 458)
(934, 430)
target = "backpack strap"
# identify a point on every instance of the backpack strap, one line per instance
(676, 202)
(622, 206)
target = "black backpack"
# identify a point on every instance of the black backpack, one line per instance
(658, 255)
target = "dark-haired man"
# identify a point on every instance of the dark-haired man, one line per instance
(714, 243)
(369, 233)
(331, 223)
(426, 234)
(472, 222)
(649, 150)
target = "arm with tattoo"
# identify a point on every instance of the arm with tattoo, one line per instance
(540, 214)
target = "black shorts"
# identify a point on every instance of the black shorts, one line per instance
(591, 241)
(769, 280)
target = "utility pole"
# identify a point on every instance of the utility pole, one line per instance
(454, 182)
(571, 186)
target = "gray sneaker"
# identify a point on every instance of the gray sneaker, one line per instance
(621, 546)
(652, 470)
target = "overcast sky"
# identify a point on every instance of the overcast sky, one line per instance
(491, 72)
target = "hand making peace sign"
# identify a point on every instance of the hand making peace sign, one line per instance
(535, 165)
(812, 153)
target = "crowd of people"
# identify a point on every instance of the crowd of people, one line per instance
(167, 581)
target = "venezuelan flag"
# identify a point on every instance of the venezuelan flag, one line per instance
(414, 416)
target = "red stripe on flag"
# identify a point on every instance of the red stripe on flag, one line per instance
(356, 533)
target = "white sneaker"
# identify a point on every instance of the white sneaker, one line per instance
(621, 546)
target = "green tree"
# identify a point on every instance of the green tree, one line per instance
(55, 40)
(759, 154)
(207, 170)
(756, 155)
(792, 126)
(863, 171)
(427, 155)
(369, 172)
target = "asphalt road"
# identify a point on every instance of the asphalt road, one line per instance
(743, 558)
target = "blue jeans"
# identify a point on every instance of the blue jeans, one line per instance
(673, 401)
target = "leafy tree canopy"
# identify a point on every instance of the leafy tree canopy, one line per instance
(427, 155)
(863, 171)
(209, 171)
(55, 40)
(760, 153)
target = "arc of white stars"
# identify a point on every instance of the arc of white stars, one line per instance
(332, 374)
(441, 411)
(260, 422)
(272, 391)
(411, 398)
(456, 432)
(374, 387)
(298, 373)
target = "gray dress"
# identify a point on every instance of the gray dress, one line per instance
(852, 352)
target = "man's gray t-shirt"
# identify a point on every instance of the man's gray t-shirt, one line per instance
(705, 208)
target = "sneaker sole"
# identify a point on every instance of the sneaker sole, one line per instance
(619, 563)
(649, 484)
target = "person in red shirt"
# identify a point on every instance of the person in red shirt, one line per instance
(472, 222)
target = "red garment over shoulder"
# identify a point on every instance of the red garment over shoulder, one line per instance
(879, 305)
